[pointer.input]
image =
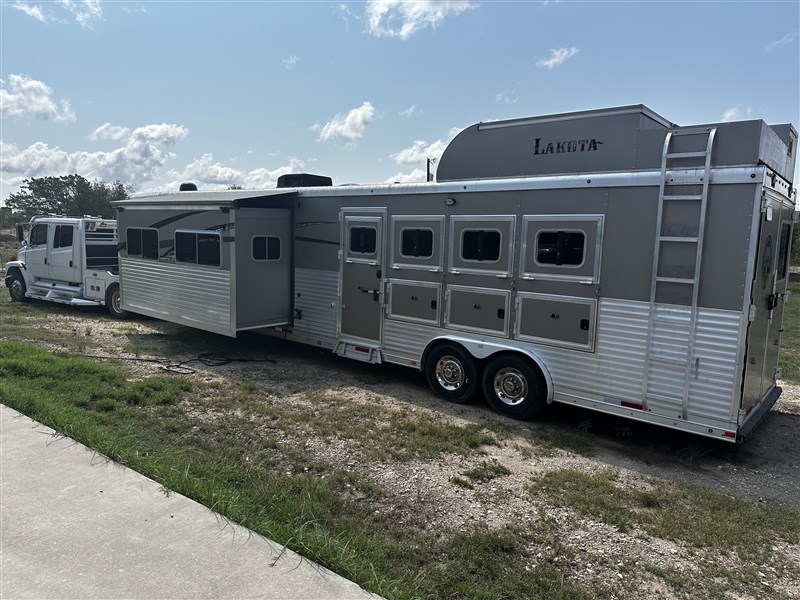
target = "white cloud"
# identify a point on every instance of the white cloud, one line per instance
(418, 152)
(411, 111)
(403, 18)
(86, 12)
(22, 96)
(507, 97)
(735, 112)
(290, 61)
(346, 15)
(557, 57)
(351, 126)
(210, 174)
(143, 154)
(785, 40)
(34, 11)
(416, 176)
(107, 131)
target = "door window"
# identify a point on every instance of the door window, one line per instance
(63, 236)
(39, 234)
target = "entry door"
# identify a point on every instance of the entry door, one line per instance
(63, 258)
(759, 373)
(362, 274)
(38, 250)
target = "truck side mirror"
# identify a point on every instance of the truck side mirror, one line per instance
(21, 235)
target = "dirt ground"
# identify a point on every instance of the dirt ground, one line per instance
(765, 469)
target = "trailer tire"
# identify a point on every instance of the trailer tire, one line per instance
(514, 387)
(114, 302)
(17, 287)
(452, 373)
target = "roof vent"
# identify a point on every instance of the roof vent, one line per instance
(188, 187)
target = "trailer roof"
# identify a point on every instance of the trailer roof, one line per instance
(208, 198)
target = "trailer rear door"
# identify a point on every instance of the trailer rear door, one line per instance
(763, 340)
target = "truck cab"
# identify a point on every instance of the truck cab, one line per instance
(69, 260)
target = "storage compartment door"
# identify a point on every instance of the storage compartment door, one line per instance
(557, 320)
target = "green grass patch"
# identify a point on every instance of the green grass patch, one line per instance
(233, 464)
(789, 359)
(674, 511)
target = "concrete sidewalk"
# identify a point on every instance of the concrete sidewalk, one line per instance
(75, 525)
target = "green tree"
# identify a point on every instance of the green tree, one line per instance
(68, 195)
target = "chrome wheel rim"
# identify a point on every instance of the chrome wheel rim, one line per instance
(116, 303)
(510, 386)
(450, 373)
(16, 289)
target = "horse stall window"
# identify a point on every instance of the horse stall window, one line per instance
(560, 248)
(480, 245)
(363, 240)
(266, 247)
(416, 243)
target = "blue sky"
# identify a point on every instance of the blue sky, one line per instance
(221, 93)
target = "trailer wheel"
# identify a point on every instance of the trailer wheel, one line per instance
(452, 373)
(17, 287)
(114, 302)
(514, 387)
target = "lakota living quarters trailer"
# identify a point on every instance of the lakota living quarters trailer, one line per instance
(607, 259)
(69, 260)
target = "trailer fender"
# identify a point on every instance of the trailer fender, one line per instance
(482, 349)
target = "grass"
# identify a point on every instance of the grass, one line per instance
(789, 360)
(239, 470)
(246, 454)
(690, 515)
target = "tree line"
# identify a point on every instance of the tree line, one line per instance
(68, 195)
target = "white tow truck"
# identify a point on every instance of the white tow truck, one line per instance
(70, 260)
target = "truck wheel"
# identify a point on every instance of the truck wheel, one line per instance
(452, 373)
(514, 387)
(114, 302)
(17, 287)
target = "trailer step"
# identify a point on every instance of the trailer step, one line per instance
(682, 280)
(359, 351)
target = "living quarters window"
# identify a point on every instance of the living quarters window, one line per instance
(142, 243)
(363, 240)
(416, 243)
(266, 247)
(560, 248)
(480, 245)
(200, 248)
(63, 236)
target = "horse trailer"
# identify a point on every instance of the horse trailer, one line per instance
(608, 259)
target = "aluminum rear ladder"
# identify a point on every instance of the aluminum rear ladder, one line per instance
(682, 205)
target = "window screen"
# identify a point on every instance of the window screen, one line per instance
(480, 245)
(208, 249)
(417, 243)
(363, 240)
(560, 248)
(266, 248)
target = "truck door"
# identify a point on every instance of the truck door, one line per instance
(63, 259)
(761, 361)
(37, 251)
(362, 274)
